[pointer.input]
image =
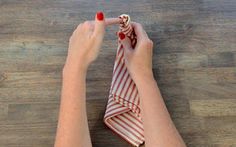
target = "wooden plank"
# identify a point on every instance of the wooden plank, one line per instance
(218, 107)
(194, 60)
(3, 111)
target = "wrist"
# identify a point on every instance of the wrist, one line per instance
(75, 62)
(70, 70)
(146, 83)
(144, 78)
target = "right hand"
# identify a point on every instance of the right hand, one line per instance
(139, 59)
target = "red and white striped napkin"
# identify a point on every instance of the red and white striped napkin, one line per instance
(123, 112)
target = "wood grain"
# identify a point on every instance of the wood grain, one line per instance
(194, 63)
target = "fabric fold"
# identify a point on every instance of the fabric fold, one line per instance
(123, 108)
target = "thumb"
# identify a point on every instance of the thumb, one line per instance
(99, 28)
(126, 42)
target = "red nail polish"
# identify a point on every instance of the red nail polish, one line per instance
(121, 35)
(100, 16)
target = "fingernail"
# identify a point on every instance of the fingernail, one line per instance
(100, 16)
(121, 35)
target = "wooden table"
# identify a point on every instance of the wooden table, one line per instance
(194, 63)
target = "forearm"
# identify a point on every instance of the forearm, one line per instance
(84, 45)
(159, 129)
(72, 126)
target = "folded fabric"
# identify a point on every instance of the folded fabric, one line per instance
(123, 111)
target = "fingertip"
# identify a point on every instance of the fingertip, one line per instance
(125, 42)
(100, 16)
(99, 23)
(121, 35)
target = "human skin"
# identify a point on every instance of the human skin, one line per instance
(84, 46)
(159, 129)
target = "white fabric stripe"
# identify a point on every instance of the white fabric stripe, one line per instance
(117, 71)
(134, 115)
(127, 30)
(119, 131)
(116, 74)
(132, 120)
(129, 92)
(125, 86)
(119, 78)
(117, 67)
(136, 99)
(110, 100)
(132, 96)
(122, 83)
(130, 125)
(128, 88)
(113, 106)
(111, 103)
(128, 128)
(124, 130)
(114, 111)
(118, 56)
(119, 49)
(137, 119)
(119, 53)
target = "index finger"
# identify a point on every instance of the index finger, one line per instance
(111, 21)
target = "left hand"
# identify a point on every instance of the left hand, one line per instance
(85, 43)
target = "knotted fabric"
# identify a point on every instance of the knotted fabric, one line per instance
(123, 108)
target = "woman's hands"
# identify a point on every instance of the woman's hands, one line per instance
(85, 44)
(139, 59)
(86, 41)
